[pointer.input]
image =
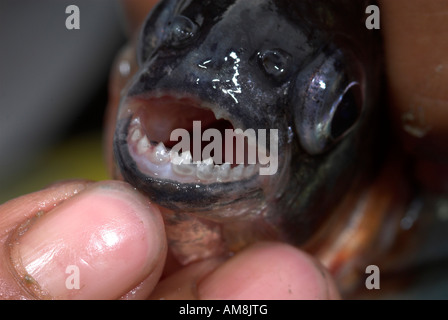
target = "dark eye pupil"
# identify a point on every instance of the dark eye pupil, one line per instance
(275, 63)
(347, 112)
(182, 31)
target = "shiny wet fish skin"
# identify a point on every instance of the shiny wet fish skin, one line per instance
(310, 69)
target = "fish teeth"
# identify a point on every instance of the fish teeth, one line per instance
(160, 154)
(143, 145)
(186, 157)
(222, 172)
(182, 165)
(205, 169)
(237, 172)
(174, 155)
(208, 161)
(135, 122)
(175, 158)
(136, 135)
(183, 169)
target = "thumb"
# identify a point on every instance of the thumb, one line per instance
(103, 243)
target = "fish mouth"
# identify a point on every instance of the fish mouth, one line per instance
(184, 179)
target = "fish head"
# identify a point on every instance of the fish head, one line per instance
(287, 82)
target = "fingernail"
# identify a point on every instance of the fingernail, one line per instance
(267, 271)
(97, 245)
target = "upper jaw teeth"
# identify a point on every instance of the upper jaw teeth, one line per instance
(143, 145)
(160, 154)
(163, 162)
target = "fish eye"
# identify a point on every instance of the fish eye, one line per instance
(275, 63)
(181, 31)
(347, 112)
(327, 101)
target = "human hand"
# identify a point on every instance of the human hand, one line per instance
(84, 240)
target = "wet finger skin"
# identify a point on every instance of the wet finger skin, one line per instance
(269, 271)
(263, 271)
(106, 234)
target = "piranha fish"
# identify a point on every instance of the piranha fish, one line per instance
(309, 69)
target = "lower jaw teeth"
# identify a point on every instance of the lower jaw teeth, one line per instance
(206, 171)
(223, 172)
(238, 172)
(157, 159)
(184, 169)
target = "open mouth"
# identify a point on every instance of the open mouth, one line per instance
(149, 133)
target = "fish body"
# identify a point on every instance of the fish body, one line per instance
(309, 69)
